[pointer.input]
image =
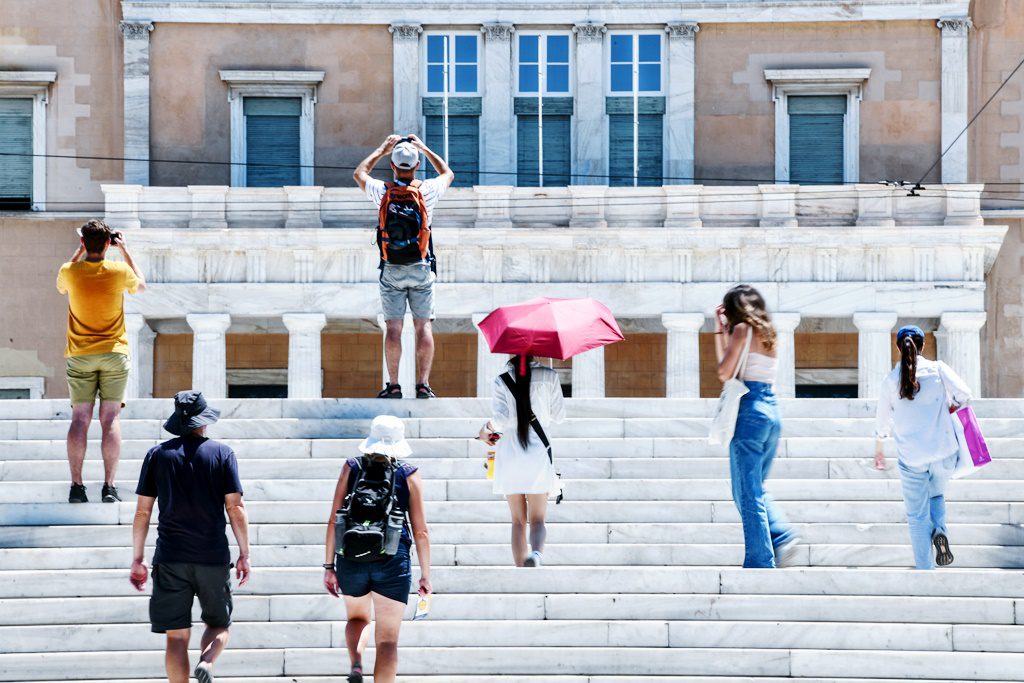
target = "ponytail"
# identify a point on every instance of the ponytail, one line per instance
(521, 394)
(909, 386)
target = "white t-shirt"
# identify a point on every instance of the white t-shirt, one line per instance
(432, 190)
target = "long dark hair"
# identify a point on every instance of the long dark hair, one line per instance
(521, 394)
(744, 304)
(910, 346)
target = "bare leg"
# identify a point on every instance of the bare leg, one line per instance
(388, 620)
(110, 422)
(356, 631)
(424, 349)
(538, 507)
(78, 439)
(213, 643)
(517, 506)
(393, 348)
(176, 659)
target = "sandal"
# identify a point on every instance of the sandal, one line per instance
(424, 391)
(943, 555)
(391, 391)
(356, 676)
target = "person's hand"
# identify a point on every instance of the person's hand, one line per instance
(389, 143)
(78, 252)
(720, 319)
(242, 570)
(416, 142)
(331, 583)
(117, 240)
(880, 460)
(139, 575)
(425, 587)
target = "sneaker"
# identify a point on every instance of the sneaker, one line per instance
(532, 560)
(109, 494)
(203, 674)
(77, 494)
(391, 391)
(943, 555)
(785, 554)
(356, 675)
(424, 391)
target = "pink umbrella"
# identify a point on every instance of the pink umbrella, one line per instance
(550, 328)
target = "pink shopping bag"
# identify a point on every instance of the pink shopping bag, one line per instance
(973, 449)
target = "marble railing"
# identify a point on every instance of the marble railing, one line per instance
(580, 206)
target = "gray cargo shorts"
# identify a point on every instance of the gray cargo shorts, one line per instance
(413, 283)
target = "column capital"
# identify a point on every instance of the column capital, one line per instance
(304, 322)
(954, 26)
(682, 322)
(962, 321)
(589, 33)
(875, 321)
(134, 322)
(135, 30)
(208, 323)
(682, 29)
(498, 31)
(406, 31)
(785, 321)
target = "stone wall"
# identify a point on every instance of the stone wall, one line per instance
(454, 370)
(635, 367)
(1002, 351)
(172, 364)
(352, 364)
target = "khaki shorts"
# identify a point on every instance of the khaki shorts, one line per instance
(105, 374)
(413, 283)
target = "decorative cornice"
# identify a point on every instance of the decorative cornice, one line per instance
(406, 31)
(587, 33)
(682, 29)
(135, 30)
(958, 26)
(498, 31)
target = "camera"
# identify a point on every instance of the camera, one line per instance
(404, 140)
(115, 238)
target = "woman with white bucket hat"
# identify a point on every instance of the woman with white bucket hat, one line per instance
(376, 515)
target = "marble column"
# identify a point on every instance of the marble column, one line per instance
(305, 371)
(488, 364)
(140, 353)
(679, 112)
(682, 354)
(407, 364)
(959, 342)
(497, 124)
(209, 353)
(590, 161)
(874, 350)
(954, 97)
(136, 101)
(406, 76)
(785, 327)
(588, 374)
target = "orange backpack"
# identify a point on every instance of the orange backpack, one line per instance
(403, 230)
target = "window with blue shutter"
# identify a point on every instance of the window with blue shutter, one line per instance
(816, 138)
(635, 146)
(272, 141)
(463, 140)
(16, 166)
(557, 113)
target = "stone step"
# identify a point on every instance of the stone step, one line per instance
(555, 678)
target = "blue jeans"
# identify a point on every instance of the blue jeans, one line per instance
(750, 458)
(924, 491)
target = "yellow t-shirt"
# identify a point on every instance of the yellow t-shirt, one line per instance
(95, 292)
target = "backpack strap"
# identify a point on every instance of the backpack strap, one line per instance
(506, 377)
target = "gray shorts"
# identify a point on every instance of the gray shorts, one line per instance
(413, 283)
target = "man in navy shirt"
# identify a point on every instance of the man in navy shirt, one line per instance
(195, 479)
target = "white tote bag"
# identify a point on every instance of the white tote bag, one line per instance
(723, 424)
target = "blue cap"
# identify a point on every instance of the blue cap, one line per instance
(909, 331)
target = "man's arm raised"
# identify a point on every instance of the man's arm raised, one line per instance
(362, 172)
(444, 172)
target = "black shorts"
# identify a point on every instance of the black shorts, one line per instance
(391, 578)
(176, 584)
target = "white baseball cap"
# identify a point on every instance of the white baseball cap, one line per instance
(405, 156)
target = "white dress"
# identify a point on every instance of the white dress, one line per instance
(518, 470)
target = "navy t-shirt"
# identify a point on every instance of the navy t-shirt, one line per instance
(189, 476)
(402, 474)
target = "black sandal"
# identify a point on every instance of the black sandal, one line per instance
(391, 391)
(356, 676)
(943, 555)
(424, 391)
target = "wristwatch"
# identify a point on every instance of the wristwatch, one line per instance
(328, 566)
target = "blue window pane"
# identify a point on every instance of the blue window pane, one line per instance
(558, 49)
(650, 77)
(435, 78)
(622, 48)
(622, 78)
(528, 78)
(528, 49)
(435, 49)
(465, 49)
(465, 78)
(650, 48)
(558, 78)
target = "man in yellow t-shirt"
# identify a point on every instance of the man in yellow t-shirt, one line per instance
(97, 351)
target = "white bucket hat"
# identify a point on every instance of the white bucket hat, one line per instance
(387, 437)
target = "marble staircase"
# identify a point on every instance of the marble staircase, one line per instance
(641, 581)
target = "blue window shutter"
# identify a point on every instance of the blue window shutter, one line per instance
(272, 141)
(463, 146)
(16, 138)
(526, 152)
(650, 152)
(650, 149)
(816, 139)
(557, 141)
(620, 150)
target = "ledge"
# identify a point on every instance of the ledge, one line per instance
(264, 76)
(27, 77)
(782, 76)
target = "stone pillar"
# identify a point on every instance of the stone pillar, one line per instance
(209, 354)
(954, 97)
(874, 351)
(407, 365)
(588, 374)
(591, 157)
(497, 123)
(959, 342)
(406, 76)
(785, 327)
(679, 118)
(136, 100)
(488, 364)
(140, 353)
(682, 354)
(305, 372)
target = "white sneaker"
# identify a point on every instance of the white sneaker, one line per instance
(532, 560)
(785, 554)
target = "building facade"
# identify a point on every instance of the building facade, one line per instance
(648, 156)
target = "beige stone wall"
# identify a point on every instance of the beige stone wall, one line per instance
(172, 364)
(84, 114)
(635, 367)
(352, 364)
(900, 112)
(1002, 353)
(191, 113)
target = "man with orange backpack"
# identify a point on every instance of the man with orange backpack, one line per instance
(407, 270)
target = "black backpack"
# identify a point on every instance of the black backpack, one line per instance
(368, 527)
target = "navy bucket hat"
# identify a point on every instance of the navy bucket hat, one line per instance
(190, 413)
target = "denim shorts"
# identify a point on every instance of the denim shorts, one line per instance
(414, 284)
(391, 578)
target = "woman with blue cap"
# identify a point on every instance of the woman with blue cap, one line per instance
(914, 406)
